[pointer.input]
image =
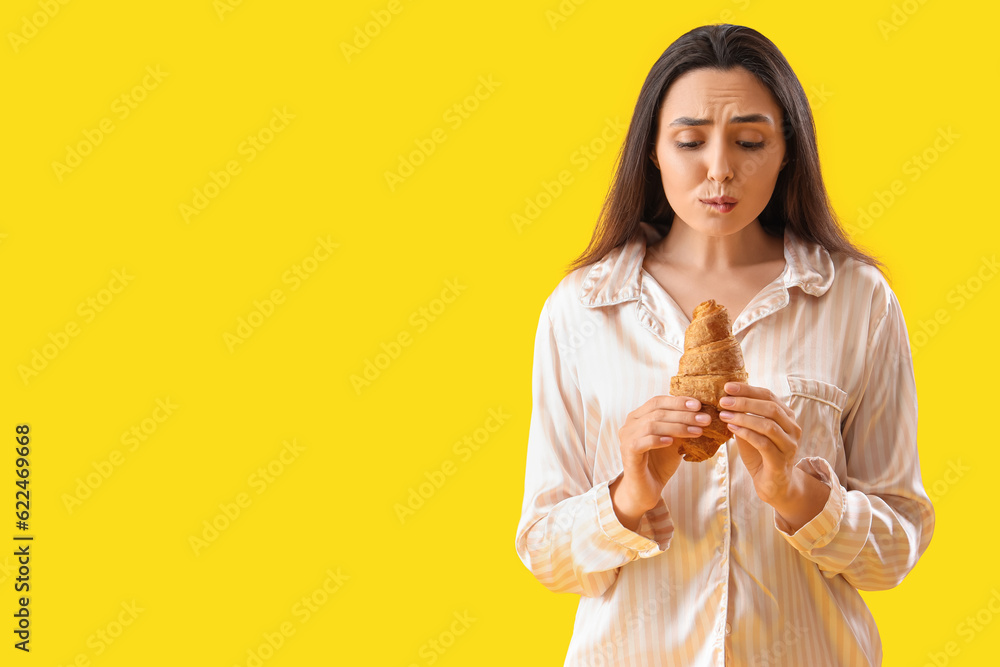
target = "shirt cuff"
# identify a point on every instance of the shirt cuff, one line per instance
(656, 528)
(823, 527)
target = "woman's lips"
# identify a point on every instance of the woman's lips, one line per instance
(720, 207)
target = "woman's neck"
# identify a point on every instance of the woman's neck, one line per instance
(684, 247)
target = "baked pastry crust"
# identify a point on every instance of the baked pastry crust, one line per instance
(711, 358)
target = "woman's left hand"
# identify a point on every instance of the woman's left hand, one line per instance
(767, 436)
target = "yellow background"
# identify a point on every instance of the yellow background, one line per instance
(880, 98)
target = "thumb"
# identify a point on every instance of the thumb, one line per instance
(749, 454)
(664, 461)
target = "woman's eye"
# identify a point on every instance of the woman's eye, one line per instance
(749, 145)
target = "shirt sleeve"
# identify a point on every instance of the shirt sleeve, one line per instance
(878, 521)
(569, 536)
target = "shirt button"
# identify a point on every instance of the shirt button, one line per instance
(729, 629)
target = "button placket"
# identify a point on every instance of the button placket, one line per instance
(724, 482)
(722, 468)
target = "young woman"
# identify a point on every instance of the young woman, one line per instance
(755, 556)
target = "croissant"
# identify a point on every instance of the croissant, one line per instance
(711, 358)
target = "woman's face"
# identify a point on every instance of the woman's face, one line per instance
(719, 136)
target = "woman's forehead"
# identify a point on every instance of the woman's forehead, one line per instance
(702, 92)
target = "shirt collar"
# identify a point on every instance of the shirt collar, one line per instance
(617, 277)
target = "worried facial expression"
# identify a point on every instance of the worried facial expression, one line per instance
(720, 136)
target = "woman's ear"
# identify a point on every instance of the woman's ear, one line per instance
(652, 156)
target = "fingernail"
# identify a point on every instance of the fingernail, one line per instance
(727, 402)
(733, 427)
(732, 387)
(704, 419)
(694, 405)
(694, 429)
(666, 438)
(725, 415)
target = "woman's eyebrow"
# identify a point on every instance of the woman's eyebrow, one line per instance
(750, 118)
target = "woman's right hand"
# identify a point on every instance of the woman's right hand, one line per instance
(648, 442)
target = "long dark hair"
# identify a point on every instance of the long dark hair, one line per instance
(799, 200)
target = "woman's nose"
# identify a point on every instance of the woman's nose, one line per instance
(719, 163)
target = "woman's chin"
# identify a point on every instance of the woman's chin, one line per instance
(717, 226)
